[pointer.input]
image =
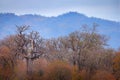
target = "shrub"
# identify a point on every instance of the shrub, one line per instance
(116, 66)
(76, 74)
(58, 71)
(6, 64)
(103, 75)
(20, 70)
(39, 69)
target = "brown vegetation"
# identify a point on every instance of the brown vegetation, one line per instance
(79, 56)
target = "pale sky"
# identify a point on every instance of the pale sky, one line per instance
(106, 9)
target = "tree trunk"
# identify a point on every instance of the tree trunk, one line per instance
(29, 66)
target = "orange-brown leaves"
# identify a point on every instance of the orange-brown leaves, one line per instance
(116, 65)
(58, 71)
(103, 75)
(4, 51)
(20, 69)
(6, 63)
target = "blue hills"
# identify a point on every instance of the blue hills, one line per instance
(52, 27)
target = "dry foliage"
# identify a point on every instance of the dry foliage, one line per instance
(103, 75)
(79, 56)
(116, 66)
(6, 64)
(58, 71)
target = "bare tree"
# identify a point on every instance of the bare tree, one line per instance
(82, 48)
(29, 46)
(84, 45)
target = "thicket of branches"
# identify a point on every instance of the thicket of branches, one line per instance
(82, 55)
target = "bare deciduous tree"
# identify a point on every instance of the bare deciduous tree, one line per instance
(29, 46)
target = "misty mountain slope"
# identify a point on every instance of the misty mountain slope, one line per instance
(59, 26)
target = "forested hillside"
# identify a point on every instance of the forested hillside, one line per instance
(81, 55)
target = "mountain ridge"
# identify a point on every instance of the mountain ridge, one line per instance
(67, 13)
(60, 25)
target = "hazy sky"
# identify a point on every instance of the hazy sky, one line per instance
(107, 9)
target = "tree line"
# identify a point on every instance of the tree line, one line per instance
(81, 55)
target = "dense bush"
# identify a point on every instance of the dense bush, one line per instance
(6, 64)
(116, 66)
(103, 75)
(58, 71)
(39, 69)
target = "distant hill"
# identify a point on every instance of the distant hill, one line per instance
(61, 25)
